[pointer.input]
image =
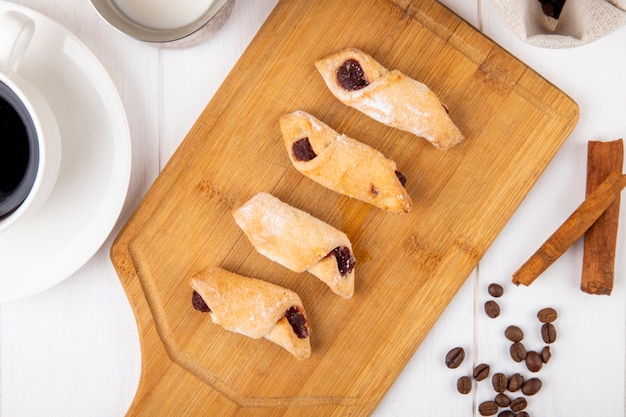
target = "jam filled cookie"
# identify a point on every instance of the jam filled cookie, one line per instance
(253, 308)
(389, 97)
(298, 241)
(343, 164)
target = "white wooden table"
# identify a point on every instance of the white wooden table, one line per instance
(73, 350)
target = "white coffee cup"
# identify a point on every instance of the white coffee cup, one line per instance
(30, 154)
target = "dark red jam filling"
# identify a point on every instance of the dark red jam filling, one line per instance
(295, 316)
(345, 260)
(199, 304)
(401, 178)
(302, 150)
(351, 76)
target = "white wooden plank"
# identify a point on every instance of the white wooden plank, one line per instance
(586, 373)
(468, 10)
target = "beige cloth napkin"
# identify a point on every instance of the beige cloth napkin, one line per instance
(580, 22)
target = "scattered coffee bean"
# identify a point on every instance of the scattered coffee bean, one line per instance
(518, 404)
(532, 386)
(547, 315)
(464, 384)
(518, 352)
(455, 357)
(545, 354)
(499, 382)
(495, 290)
(492, 309)
(516, 381)
(514, 334)
(548, 333)
(488, 408)
(533, 361)
(502, 400)
(481, 372)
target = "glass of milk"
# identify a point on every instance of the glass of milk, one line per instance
(165, 21)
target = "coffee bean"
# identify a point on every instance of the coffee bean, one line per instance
(516, 381)
(532, 386)
(481, 372)
(533, 361)
(548, 9)
(495, 290)
(518, 352)
(507, 413)
(492, 309)
(502, 400)
(455, 357)
(499, 382)
(548, 333)
(545, 354)
(518, 404)
(552, 8)
(488, 408)
(547, 315)
(514, 334)
(464, 384)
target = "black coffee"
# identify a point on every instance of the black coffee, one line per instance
(19, 153)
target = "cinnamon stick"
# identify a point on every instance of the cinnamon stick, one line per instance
(572, 229)
(601, 238)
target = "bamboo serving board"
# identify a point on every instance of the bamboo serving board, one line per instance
(409, 266)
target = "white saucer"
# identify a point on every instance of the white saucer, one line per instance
(49, 245)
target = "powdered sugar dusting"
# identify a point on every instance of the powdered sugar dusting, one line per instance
(315, 125)
(378, 107)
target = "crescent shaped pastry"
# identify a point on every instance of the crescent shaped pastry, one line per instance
(389, 97)
(343, 164)
(298, 241)
(253, 308)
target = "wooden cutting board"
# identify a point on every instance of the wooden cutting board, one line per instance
(408, 266)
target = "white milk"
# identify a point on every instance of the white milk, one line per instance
(163, 14)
